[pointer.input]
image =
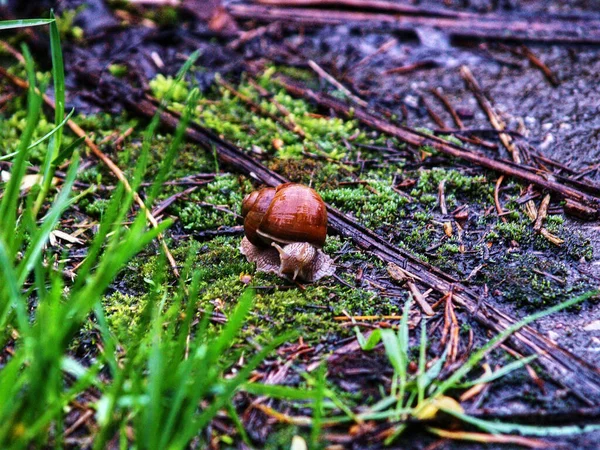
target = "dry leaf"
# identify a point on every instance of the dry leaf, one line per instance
(430, 408)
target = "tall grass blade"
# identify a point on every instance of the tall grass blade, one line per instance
(23, 23)
(525, 430)
(317, 418)
(478, 355)
(52, 131)
(58, 76)
(515, 365)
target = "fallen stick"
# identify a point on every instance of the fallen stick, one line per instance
(566, 369)
(398, 274)
(378, 5)
(321, 72)
(493, 117)
(537, 62)
(499, 27)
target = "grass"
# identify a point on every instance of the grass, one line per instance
(173, 364)
(160, 372)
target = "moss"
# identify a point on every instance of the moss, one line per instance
(372, 209)
(66, 24)
(516, 231)
(279, 305)
(122, 313)
(532, 281)
(225, 192)
(163, 15)
(458, 186)
(117, 70)
(577, 246)
(161, 86)
(94, 207)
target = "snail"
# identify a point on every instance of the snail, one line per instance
(285, 228)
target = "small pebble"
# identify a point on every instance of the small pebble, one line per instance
(547, 142)
(465, 113)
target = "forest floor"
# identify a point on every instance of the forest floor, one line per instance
(461, 221)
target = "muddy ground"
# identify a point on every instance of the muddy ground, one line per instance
(562, 122)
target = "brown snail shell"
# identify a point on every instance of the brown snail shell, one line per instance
(254, 207)
(289, 213)
(285, 227)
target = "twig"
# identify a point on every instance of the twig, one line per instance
(251, 34)
(461, 128)
(211, 234)
(448, 105)
(257, 108)
(497, 198)
(540, 65)
(428, 64)
(494, 119)
(169, 201)
(541, 214)
(382, 49)
(539, 28)
(314, 66)
(80, 421)
(532, 374)
(442, 199)
(302, 421)
(400, 275)
(478, 388)
(434, 116)
(489, 438)
(352, 318)
(382, 5)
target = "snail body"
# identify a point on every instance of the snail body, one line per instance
(285, 228)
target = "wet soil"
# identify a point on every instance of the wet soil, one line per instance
(562, 122)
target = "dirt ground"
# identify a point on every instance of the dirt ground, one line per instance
(562, 122)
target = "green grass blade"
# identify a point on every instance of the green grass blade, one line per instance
(233, 326)
(515, 365)
(11, 292)
(478, 355)
(58, 75)
(187, 65)
(67, 152)
(108, 340)
(435, 369)
(317, 418)
(393, 350)
(53, 131)
(8, 205)
(39, 240)
(422, 362)
(23, 23)
(169, 157)
(368, 344)
(525, 430)
(235, 418)
(278, 391)
(229, 389)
